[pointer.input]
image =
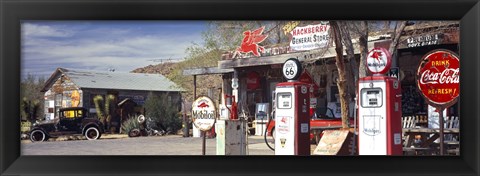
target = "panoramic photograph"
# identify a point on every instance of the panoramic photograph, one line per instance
(308, 88)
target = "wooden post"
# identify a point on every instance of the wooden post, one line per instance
(204, 142)
(440, 116)
(194, 86)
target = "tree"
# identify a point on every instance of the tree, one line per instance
(31, 98)
(341, 83)
(399, 27)
(362, 31)
(163, 112)
(347, 41)
(104, 115)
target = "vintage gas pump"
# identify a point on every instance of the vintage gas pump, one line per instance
(379, 108)
(231, 130)
(291, 112)
(233, 110)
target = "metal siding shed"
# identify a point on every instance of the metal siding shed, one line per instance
(115, 80)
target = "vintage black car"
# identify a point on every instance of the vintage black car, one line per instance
(71, 121)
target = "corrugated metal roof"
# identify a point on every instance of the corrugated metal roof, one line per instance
(119, 80)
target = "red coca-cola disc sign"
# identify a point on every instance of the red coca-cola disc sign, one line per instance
(438, 77)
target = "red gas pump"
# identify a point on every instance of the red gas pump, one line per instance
(379, 108)
(233, 110)
(292, 122)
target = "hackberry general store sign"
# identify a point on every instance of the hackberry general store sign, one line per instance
(309, 37)
(203, 113)
(438, 77)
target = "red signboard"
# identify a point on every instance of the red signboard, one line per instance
(307, 78)
(438, 77)
(253, 81)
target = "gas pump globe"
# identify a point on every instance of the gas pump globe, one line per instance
(235, 83)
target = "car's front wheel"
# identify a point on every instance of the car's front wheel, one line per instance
(38, 136)
(92, 133)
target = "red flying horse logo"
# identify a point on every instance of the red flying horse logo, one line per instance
(203, 105)
(377, 55)
(250, 41)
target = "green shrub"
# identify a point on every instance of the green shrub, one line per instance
(129, 124)
(163, 112)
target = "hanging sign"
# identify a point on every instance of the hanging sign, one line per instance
(379, 60)
(203, 113)
(291, 69)
(253, 81)
(438, 78)
(290, 26)
(310, 37)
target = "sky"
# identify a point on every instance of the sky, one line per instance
(103, 45)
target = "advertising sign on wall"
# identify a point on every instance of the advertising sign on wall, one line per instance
(253, 80)
(310, 37)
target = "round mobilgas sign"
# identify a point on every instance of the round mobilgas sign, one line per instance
(203, 113)
(438, 77)
(292, 68)
(379, 60)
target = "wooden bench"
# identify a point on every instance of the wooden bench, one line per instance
(451, 122)
(417, 151)
(451, 139)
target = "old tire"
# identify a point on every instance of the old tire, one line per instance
(134, 132)
(92, 133)
(38, 136)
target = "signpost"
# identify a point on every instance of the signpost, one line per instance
(204, 116)
(438, 79)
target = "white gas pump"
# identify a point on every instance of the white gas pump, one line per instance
(291, 113)
(379, 108)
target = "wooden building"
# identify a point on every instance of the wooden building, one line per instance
(257, 76)
(128, 91)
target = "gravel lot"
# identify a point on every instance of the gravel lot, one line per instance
(122, 145)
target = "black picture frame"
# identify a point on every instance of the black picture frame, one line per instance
(12, 12)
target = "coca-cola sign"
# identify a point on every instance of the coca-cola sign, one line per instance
(253, 81)
(438, 77)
